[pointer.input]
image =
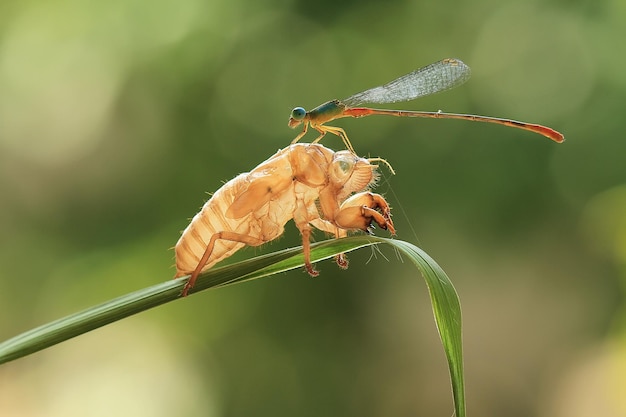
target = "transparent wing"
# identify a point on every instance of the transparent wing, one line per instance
(439, 76)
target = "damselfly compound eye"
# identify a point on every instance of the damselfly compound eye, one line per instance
(298, 113)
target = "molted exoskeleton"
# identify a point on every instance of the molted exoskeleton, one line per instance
(309, 183)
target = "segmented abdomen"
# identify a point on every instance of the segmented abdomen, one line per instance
(210, 220)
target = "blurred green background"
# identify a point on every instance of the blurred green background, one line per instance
(116, 118)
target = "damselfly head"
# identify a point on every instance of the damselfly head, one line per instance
(297, 115)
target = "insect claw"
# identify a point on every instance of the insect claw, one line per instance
(342, 261)
(185, 291)
(312, 271)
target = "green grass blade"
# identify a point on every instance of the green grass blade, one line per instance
(446, 306)
(447, 311)
(97, 316)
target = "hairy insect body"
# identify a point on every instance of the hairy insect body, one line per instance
(209, 221)
(308, 183)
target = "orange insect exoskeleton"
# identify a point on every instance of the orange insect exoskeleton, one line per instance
(309, 183)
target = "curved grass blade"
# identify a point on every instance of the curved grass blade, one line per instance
(97, 316)
(446, 306)
(447, 312)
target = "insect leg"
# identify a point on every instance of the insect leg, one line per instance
(358, 212)
(335, 131)
(304, 214)
(304, 129)
(326, 226)
(306, 249)
(226, 235)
